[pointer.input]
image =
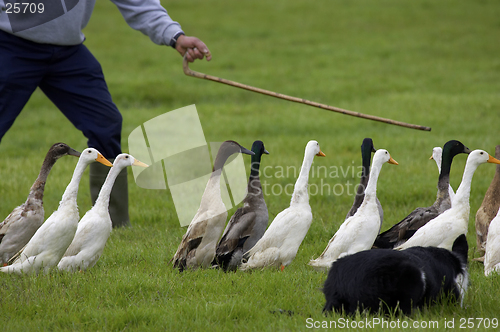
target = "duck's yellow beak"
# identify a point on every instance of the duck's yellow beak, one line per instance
(321, 154)
(431, 158)
(493, 160)
(392, 161)
(100, 158)
(139, 163)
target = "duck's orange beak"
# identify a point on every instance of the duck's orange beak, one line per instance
(100, 158)
(139, 163)
(321, 154)
(392, 161)
(493, 160)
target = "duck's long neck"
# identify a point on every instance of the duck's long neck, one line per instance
(443, 194)
(212, 194)
(438, 163)
(212, 190)
(36, 190)
(365, 173)
(371, 187)
(255, 166)
(105, 192)
(71, 191)
(366, 164)
(462, 195)
(300, 194)
(444, 173)
(495, 183)
(254, 185)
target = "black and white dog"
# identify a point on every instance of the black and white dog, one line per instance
(387, 279)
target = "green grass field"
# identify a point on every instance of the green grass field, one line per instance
(433, 63)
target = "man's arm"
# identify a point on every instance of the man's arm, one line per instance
(149, 17)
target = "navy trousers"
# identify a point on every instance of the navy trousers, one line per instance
(71, 77)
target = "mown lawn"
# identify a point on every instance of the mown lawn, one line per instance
(433, 63)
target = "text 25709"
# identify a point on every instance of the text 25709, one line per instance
(24, 8)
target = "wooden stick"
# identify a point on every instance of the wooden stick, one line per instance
(193, 73)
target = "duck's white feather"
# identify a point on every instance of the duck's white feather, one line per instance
(359, 231)
(88, 244)
(492, 255)
(280, 243)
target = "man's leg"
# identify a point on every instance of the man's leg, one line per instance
(21, 70)
(75, 84)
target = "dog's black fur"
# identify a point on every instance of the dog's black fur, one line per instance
(387, 279)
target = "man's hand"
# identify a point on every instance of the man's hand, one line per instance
(195, 48)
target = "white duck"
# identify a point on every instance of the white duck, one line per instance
(445, 228)
(280, 243)
(197, 248)
(366, 155)
(20, 225)
(437, 153)
(51, 240)
(492, 252)
(359, 231)
(95, 226)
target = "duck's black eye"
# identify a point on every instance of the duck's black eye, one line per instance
(126, 157)
(481, 153)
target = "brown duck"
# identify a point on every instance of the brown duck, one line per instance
(488, 209)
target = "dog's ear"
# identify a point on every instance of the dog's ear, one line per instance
(461, 247)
